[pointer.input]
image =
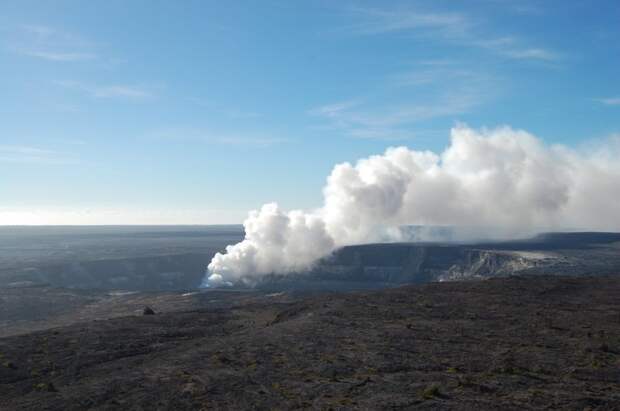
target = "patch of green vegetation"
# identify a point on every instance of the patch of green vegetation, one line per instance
(345, 402)
(452, 370)
(9, 364)
(45, 386)
(431, 392)
(465, 381)
(508, 370)
(252, 366)
(535, 392)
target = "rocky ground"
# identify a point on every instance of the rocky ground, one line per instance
(508, 343)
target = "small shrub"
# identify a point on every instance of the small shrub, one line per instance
(431, 392)
(9, 364)
(148, 311)
(45, 386)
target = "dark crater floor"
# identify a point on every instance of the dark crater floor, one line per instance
(516, 343)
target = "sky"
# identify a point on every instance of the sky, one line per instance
(194, 112)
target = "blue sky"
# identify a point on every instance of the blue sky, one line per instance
(197, 111)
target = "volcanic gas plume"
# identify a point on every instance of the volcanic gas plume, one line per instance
(493, 182)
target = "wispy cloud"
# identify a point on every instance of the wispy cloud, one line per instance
(441, 73)
(456, 28)
(375, 21)
(33, 155)
(609, 101)
(50, 44)
(392, 134)
(532, 54)
(526, 7)
(109, 91)
(334, 110)
(445, 106)
(39, 31)
(54, 36)
(230, 112)
(56, 56)
(70, 141)
(394, 122)
(248, 140)
(511, 47)
(429, 90)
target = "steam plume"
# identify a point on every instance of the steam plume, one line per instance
(503, 178)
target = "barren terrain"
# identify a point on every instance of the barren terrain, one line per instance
(505, 343)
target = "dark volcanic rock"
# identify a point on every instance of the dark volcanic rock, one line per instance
(515, 343)
(369, 266)
(148, 311)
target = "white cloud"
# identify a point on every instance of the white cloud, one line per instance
(498, 183)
